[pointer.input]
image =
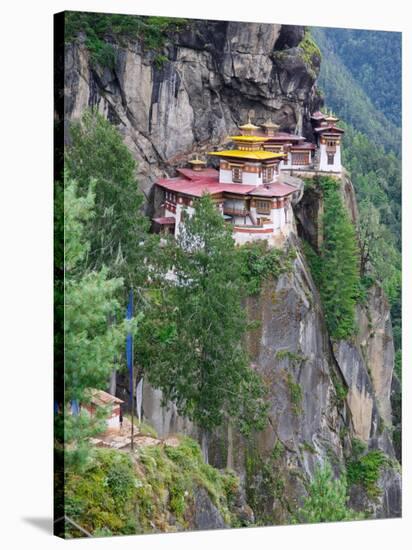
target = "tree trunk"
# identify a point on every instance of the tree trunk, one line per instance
(229, 459)
(113, 382)
(205, 450)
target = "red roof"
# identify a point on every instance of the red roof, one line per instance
(212, 186)
(330, 129)
(165, 220)
(273, 190)
(299, 146)
(100, 397)
(195, 188)
(196, 174)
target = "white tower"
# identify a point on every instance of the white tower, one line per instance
(329, 141)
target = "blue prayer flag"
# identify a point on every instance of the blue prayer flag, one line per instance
(75, 407)
(129, 344)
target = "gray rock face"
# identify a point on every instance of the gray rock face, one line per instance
(360, 395)
(216, 74)
(206, 515)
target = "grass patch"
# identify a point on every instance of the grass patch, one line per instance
(118, 494)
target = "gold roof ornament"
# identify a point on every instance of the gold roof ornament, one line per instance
(197, 163)
(330, 117)
(249, 126)
(269, 124)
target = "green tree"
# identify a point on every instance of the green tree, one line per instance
(194, 348)
(336, 267)
(118, 231)
(326, 499)
(379, 255)
(90, 341)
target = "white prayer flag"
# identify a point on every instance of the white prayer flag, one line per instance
(139, 399)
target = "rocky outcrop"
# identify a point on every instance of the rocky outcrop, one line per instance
(212, 76)
(206, 515)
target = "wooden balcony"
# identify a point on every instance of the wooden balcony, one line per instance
(235, 211)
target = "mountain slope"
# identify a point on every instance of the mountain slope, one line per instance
(374, 59)
(346, 86)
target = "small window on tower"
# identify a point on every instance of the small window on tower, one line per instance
(267, 175)
(330, 158)
(237, 174)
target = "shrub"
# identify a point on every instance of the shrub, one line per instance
(259, 263)
(365, 471)
(295, 393)
(326, 499)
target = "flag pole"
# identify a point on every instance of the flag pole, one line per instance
(132, 390)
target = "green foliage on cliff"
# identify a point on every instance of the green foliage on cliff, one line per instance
(100, 28)
(335, 267)
(295, 394)
(259, 263)
(90, 298)
(365, 471)
(361, 78)
(311, 52)
(118, 494)
(326, 500)
(192, 344)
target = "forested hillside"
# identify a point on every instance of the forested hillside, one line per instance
(374, 60)
(360, 78)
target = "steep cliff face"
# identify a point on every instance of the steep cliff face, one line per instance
(214, 75)
(322, 398)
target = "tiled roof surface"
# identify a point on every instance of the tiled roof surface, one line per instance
(100, 397)
(195, 174)
(306, 145)
(330, 128)
(249, 155)
(273, 190)
(282, 136)
(165, 220)
(212, 186)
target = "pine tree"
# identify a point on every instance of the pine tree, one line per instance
(119, 229)
(326, 499)
(90, 341)
(337, 272)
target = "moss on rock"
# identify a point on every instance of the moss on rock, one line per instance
(154, 491)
